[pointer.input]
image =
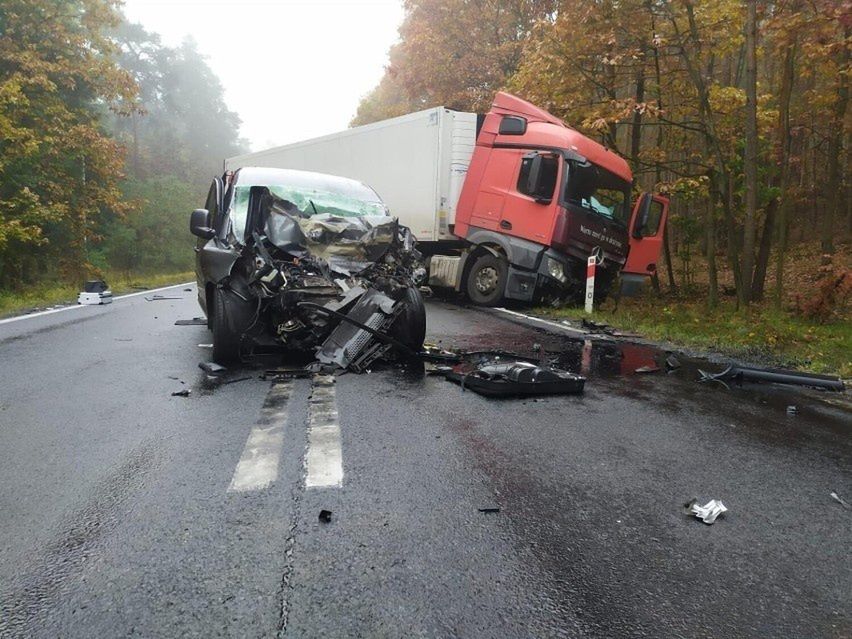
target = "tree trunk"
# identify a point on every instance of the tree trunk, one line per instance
(784, 141)
(759, 281)
(710, 224)
(835, 191)
(749, 227)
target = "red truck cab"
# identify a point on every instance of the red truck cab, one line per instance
(540, 198)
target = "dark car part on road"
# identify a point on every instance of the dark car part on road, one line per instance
(160, 298)
(740, 374)
(325, 516)
(516, 379)
(212, 368)
(181, 393)
(195, 321)
(309, 263)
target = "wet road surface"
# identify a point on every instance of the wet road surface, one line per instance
(126, 511)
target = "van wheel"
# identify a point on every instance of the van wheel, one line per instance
(226, 342)
(486, 280)
(410, 326)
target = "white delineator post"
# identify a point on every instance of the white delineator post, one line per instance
(591, 264)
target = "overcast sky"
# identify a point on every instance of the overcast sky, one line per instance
(291, 70)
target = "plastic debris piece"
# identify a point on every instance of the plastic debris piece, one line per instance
(708, 512)
(325, 516)
(514, 379)
(839, 499)
(202, 345)
(182, 393)
(672, 363)
(648, 369)
(195, 321)
(490, 509)
(792, 410)
(212, 368)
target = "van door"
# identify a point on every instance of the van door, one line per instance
(647, 225)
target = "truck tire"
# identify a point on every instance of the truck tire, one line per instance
(226, 341)
(486, 280)
(410, 327)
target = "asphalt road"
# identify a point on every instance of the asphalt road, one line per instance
(126, 511)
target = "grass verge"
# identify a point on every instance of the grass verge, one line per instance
(760, 333)
(39, 296)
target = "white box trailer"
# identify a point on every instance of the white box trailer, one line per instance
(417, 163)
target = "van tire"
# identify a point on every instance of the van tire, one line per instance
(410, 326)
(226, 342)
(486, 280)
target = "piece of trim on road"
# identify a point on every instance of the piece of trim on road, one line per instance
(324, 458)
(258, 465)
(561, 327)
(77, 306)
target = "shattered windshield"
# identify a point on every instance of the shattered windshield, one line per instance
(311, 195)
(597, 190)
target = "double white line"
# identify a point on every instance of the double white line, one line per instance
(258, 465)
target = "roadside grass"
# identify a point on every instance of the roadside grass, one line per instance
(759, 333)
(42, 295)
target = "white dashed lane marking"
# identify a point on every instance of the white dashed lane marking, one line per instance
(324, 459)
(258, 465)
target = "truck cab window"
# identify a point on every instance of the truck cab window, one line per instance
(597, 190)
(547, 180)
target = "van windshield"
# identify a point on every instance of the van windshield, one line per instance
(311, 195)
(597, 190)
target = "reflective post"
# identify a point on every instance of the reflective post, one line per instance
(591, 264)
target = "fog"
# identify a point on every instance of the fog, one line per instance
(291, 70)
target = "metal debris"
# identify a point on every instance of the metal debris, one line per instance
(286, 373)
(792, 410)
(708, 512)
(490, 509)
(325, 516)
(182, 393)
(672, 363)
(740, 374)
(195, 321)
(158, 298)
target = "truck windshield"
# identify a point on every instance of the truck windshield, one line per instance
(597, 190)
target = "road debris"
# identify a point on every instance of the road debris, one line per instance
(839, 499)
(490, 509)
(276, 374)
(95, 292)
(706, 513)
(515, 379)
(182, 393)
(205, 346)
(325, 516)
(212, 368)
(740, 374)
(672, 363)
(792, 410)
(648, 369)
(158, 298)
(195, 321)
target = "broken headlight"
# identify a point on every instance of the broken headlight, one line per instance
(555, 269)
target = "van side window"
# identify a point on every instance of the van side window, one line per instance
(212, 205)
(549, 171)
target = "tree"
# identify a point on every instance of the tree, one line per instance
(59, 172)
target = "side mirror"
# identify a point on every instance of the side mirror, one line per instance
(199, 224)
(642, 218)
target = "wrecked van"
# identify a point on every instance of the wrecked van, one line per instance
(305, 261)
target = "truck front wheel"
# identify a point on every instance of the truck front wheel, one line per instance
(486, 280)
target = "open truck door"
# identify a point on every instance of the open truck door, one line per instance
(647, 225)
